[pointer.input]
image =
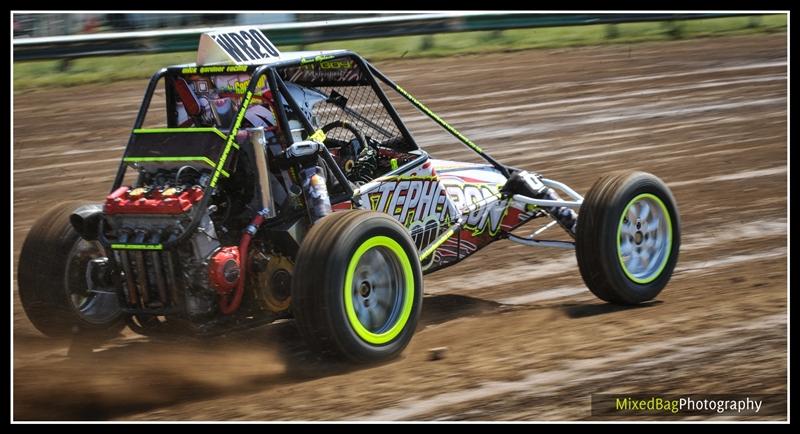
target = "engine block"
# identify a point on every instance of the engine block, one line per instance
(155, 215)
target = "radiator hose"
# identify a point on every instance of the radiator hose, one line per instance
(229, 307)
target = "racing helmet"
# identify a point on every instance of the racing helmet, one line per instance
(306, 99)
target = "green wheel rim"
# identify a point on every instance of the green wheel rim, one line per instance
(379, 290)
(644, 238)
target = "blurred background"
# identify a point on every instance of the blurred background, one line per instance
(59, 24)
(700, 100)
(80, 48)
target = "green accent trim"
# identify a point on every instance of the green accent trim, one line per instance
(408, 297)
(435, 245)
(664, 261)
(318, 136)
(167, 159)
(137, 246)
(231, 138)
(406, 178)
(180, 130)
(439, 120)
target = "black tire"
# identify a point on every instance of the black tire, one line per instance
(601, 246)
(48, 281)
(319, 284)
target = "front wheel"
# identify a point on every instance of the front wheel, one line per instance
(357, 289)
(628, 237)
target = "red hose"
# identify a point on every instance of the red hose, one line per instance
(225, 306)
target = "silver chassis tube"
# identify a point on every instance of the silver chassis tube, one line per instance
(259, 143)
(541, 243)
(546, 202)
(563, 187)
(575, 204)
(532, 241)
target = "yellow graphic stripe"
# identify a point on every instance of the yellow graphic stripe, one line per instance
(180, 130)
(167, 160)
(406, 178)
(432, 248)
(231, 138)
(439, 120)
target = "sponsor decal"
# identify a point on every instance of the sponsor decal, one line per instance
(248, 45)
(488, 211)
(333, 64)
(330, 70)
(426, 231)
(137, 246)
(430, 206)
(213, 69)
(318, 58)
(241, 86)
(453, 249)
(242, 46)
(410, 199)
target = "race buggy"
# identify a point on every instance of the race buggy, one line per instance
(286, 185)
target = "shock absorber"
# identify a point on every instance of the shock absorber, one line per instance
(566, 216)
(316, 192)
(306, 155)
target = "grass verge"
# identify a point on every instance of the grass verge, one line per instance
(34, 74)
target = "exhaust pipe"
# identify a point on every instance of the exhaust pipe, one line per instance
(133, 297)
(86, 221)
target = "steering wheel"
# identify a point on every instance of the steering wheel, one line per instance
(349, 157)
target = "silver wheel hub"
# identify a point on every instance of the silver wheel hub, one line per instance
(378, 288)
(93, 303)
(644, 238)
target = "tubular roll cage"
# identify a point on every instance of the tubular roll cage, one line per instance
(274, 82)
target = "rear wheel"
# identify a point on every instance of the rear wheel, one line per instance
(56, 287)
(357, 289)
(628, 237)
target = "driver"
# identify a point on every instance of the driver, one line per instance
(260, 115)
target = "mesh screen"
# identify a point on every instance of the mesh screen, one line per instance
(351, 98)
(428, 134)
(359, 106)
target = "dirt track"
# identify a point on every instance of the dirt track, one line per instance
(526, 340)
